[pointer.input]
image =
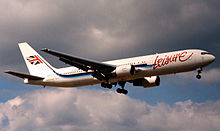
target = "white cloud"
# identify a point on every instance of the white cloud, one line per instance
(212, 76)
(83, 109)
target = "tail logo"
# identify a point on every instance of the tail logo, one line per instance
(34, 60)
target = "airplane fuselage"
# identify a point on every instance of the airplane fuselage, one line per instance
(145, 66)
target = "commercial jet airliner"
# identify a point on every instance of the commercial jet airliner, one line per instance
(141, 71)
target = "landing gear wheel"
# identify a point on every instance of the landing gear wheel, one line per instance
(106, 85)
(122, 91)
(198, 76)
(119, 90)
(109, 86)
(125, 92)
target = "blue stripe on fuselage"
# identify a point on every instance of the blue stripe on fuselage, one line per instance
(90, 73)
(74, 75)
(69, 76)
(144, 66)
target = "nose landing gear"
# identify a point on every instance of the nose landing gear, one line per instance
(198, 76)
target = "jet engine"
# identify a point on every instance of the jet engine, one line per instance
(147, 82)
(125, 70)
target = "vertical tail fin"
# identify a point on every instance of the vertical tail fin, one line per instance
(36, 64)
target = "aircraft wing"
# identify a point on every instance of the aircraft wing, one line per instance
(23, 76)
(82, 63)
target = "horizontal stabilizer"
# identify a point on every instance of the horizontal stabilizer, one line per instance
(24, 76)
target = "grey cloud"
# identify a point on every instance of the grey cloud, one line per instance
(85, 109)
(209, 77)
(104, 30)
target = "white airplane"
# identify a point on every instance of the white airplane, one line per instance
(141, 71)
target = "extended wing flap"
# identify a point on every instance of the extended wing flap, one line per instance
(24, 76)
(80, 62)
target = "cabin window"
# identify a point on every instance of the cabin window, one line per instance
(205, 53)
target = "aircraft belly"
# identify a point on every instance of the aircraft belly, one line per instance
(76, 82)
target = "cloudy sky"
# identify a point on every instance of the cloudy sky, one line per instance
(105, 30)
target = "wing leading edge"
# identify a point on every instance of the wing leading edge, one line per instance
(100, 69)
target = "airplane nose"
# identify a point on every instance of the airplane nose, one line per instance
(208, 59)
(212, 58)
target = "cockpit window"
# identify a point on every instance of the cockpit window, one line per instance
(205, 53)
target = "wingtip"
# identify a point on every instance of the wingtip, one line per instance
(21, 43)
(7, 71)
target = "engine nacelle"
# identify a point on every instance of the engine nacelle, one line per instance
(125, 70)
(147, 82)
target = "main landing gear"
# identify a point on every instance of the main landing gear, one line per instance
(198, 76)
(106, 85)
(119, 90)
(122, 90)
